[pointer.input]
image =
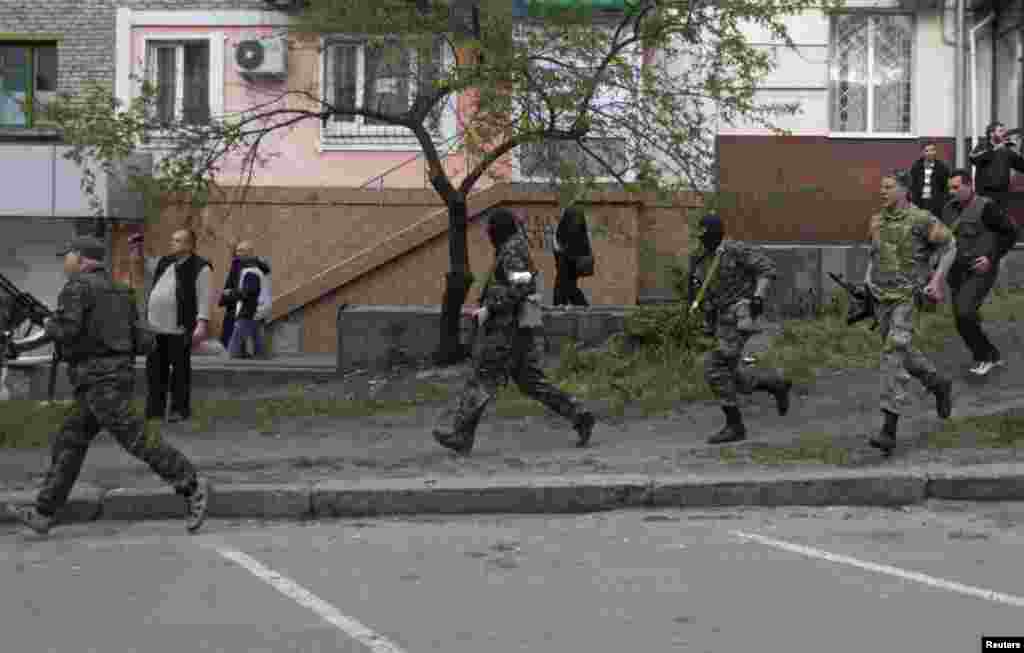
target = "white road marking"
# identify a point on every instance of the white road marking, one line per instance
(977, 592)
(351, 627)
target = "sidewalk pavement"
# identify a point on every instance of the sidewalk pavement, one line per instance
(390, 465)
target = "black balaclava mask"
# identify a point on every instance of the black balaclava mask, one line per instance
(501, 225)
(712, 232)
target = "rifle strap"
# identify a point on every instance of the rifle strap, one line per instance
(711, 275)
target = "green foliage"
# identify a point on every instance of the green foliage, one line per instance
(29, 424)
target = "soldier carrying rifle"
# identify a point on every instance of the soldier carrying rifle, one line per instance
(733, 278)
(96, 327)
(903, 239)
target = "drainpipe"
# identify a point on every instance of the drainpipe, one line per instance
(995, 66)
(1020, 76)
(948, 6)
(958, 85)
(974, 78)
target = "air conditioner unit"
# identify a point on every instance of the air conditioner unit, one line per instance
(285, 4)
(263, 57)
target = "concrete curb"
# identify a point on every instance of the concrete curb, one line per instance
(536, 495)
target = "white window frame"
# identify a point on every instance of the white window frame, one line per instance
(517, 168)
(357, 136)
(216, 42)
(914, 82)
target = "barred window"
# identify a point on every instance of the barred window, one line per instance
(870, 73)
(381, 77)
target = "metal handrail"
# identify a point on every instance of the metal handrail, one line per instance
(412, 159)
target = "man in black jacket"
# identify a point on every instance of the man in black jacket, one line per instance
(179, 306)
(227, 300)
(993, 160)
(984, 235)
(929, 179)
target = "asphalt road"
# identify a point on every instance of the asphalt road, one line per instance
(930, 578)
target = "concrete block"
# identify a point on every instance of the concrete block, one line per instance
(143, 504)
(462, 496)
(1011, 273)
(982, 483)
(262, 501)
(560, 323)
(876, 489)
(590, 328)
(796, 291)
(286, 334)
(83, 505)
(850, 263)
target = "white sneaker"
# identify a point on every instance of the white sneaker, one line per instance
(983, 368)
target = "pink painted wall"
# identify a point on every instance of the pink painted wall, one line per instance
(294, 158)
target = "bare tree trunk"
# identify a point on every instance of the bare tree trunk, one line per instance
(464, 25)
(457, 282)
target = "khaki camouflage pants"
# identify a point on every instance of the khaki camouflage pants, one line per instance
(722, 369)
(103, 393)
(901, 360)
(503, 353)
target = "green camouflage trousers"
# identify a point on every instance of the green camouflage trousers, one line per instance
(722, 369)
(103, 394)
(900, 358)
(503, 353)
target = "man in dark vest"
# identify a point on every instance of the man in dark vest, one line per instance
(984, 234)
(179, 302)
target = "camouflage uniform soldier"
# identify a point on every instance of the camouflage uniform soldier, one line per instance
(95, 326)
(903, 240)
(509, 344)
(733, 300)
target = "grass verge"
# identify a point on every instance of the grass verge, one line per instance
(653, 378)
(986, 431)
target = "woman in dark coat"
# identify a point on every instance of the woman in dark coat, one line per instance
(571, 242)
(228, 301)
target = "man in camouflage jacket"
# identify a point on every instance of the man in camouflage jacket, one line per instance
(903, 241)
(733, 301)
(95, 325)
(507, 347)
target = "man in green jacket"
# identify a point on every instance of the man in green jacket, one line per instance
(903, 239)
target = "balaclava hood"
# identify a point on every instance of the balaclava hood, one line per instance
(712, 232)
(501, 225)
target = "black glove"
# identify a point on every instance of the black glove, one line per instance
(756, 308)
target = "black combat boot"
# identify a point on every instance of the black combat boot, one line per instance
(584, 427)
(459, 442)
(778, 386)
(943, 391)
(31, 517)
(733, 431)
(886, 438)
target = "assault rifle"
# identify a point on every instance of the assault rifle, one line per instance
(26, 308)
(862, 302)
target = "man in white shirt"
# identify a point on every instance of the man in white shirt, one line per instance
(179, 307)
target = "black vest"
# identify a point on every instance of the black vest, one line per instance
(186, 274)
(973, 237)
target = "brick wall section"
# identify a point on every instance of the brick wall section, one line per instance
(86, 49)
(417, 276)
(322, 243)
(301, 231)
